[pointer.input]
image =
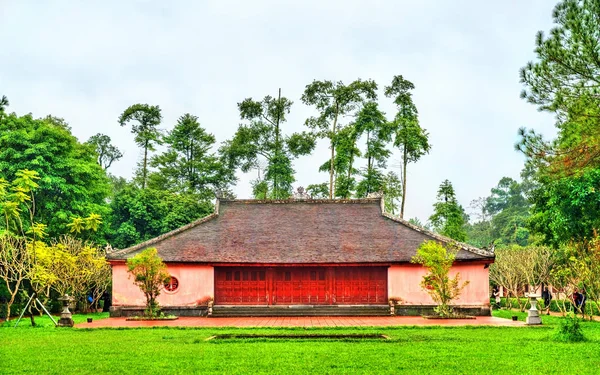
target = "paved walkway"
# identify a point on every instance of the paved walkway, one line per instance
(316, 321)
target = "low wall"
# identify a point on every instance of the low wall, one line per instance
(419, 310)
(127, 311)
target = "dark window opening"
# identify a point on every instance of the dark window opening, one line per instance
(288, 276)
(237, 276)
(313, 275)
(261, 275)
(172, 284)
(228, 276)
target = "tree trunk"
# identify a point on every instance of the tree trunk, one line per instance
(331, 164)
(275, 187)
(404, 164)
(145, 164)
(31, 311)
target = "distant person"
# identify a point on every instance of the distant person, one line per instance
(547, 296)
(496, 295)
(582, 300)
(575, 299)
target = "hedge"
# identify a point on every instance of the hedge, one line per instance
(590, 306)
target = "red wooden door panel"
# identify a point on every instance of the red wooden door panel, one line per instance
(360, 285)
(241, 286)
(300, 285)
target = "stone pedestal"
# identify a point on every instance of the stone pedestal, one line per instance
(66, 319)
(533, 316)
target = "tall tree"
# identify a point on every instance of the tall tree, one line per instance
(145, 120)
(392, 191)
(409, 137)
(71, 181)
(449, 217)
(189, 165)
(3, 104)
(107, 152)
(371, 123)
(334, 100)
(346, 153)
(262, 137)
(565, 80)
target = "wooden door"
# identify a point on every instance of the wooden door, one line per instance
(360, 285)
(241, 286)
(300, 286)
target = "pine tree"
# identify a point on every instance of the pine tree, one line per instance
(449, 217)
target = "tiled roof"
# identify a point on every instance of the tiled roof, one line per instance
(297, 231)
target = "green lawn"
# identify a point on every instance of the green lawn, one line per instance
(414, 350)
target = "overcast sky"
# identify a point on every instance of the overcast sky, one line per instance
(87, 62)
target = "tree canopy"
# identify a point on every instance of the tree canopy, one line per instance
(409, 137)
(107, 152)
(71, 182)
(263, 138)
(144, 121)
(189, 165)
(449, 217)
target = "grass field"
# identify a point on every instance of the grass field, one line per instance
(414, 350)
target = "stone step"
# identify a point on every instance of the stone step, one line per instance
(377, 310)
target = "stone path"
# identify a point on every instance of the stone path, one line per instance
(316, 321)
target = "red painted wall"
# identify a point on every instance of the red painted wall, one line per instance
(196, 285)
(404, 282)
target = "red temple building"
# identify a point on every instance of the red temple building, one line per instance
(323, 255)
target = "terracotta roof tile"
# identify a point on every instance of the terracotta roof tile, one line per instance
(296, 231)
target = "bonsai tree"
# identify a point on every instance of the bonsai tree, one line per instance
(441, 287)
(150, 274)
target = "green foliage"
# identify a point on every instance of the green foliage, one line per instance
(502, 217)
(334, 100)
(442, 288)
(564, 80)
(71, 182)
(318, 191)
(3, 104)
(409, 137)
(107, 153)
(392, 190)
(449, 217)
(569, 330)
(142, 214)
(567, 209)
(144, 121)
(188, 165)
(262, 138)
(149, 274)
(371, 123)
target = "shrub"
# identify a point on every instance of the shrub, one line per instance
(150, 275)
(441, 287)
(569, 329)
